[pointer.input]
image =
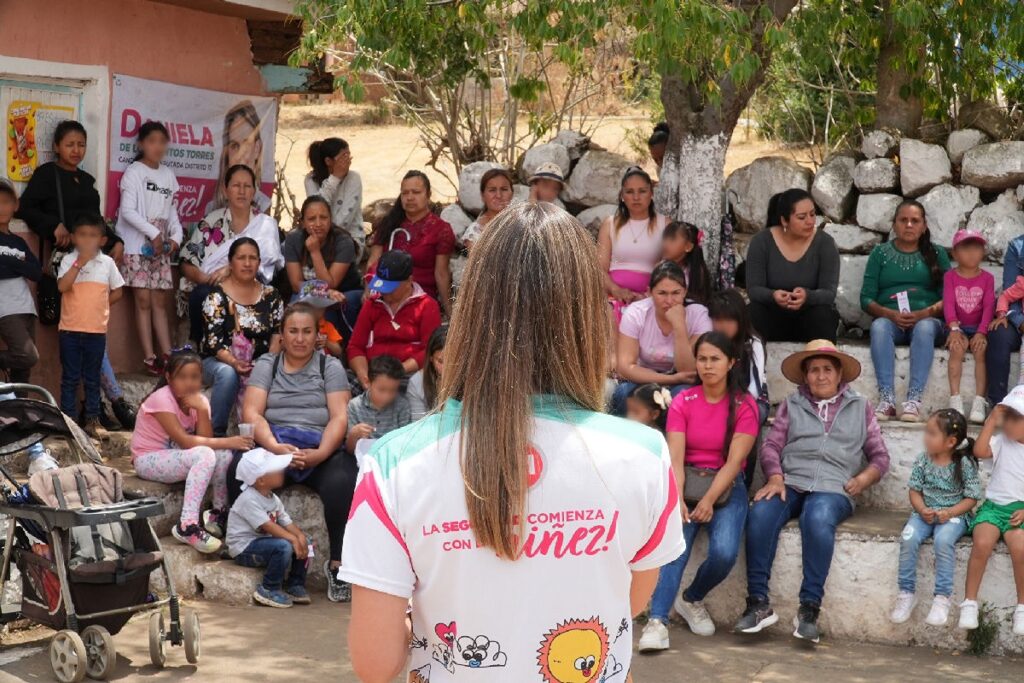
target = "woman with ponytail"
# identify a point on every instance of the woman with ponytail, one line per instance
(903, 291)
(333, 179)
(487, 512)
(944, 488)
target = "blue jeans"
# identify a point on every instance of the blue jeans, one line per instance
(1002, 341)
(81, 357)
(108, 380)
(724, 533)
(624, 388)
(945, 537)
(225, 382)
(922, 338)
(820, 513)
(277, 555)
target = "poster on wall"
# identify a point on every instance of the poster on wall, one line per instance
(26, 123)
(209, 132)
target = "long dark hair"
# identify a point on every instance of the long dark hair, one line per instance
(698, 276)
(781, 205)
(645, 394)
(68, 126)
(734, 390)
(333, 234)
(728, 304)
(952, 423)
(178, 359)
(929, 252)
(659, 136)
(438, 339)
(672, 271)
(147, 129)
(622, 212)
(322, 150)
(394, 218)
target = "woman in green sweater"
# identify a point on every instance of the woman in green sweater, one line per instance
(909, 266)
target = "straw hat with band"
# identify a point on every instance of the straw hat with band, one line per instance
(793, 365)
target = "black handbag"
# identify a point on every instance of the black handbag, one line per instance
(697, 484)
(47, 294)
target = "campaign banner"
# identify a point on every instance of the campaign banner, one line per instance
(209, 132)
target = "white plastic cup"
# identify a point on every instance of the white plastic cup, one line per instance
(245, 429)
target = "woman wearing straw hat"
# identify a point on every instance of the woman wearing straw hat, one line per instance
(812, 458)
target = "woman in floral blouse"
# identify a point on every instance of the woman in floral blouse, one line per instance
(241, 318)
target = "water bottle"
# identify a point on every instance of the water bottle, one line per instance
(147, 250)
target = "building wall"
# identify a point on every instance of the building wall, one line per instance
(88, 41)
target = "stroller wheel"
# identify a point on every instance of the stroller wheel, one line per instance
(67, 657)
(100, 653)
(157, 655)
(190, 631)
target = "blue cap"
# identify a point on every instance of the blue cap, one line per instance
(394, 268)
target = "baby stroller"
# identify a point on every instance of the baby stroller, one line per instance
(84, 551)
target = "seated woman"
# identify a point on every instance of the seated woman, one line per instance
(793, 273)
(422, 391)
(319, 250)
(496, 192)
(412, 227)
(204, 256)
(397, 321)
(297, 403)
(629, 241)
(813, 458)
(656, 337)
(710, 429)
(908, 268)
(241, 319)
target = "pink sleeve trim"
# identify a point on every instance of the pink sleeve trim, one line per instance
(659, 531)
(369, 493)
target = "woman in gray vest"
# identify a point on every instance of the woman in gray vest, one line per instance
(814, 458)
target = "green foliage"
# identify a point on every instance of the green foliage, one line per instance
(981, 639)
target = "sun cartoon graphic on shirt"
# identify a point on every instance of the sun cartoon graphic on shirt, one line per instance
(573, 652)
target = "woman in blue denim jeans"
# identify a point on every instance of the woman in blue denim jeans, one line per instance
(710, 429)
(903, 291)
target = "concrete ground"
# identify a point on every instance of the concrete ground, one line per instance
(308, 643)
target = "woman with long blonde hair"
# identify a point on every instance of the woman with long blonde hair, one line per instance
(487, 512)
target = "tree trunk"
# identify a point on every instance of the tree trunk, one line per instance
(895, 77)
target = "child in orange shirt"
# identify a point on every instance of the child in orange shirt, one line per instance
(317, 294)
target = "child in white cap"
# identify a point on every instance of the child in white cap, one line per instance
(261, 534)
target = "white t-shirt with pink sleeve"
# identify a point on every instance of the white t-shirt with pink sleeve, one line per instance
(602, 504)
(149, 435)
(657, 349)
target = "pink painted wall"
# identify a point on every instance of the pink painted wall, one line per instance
(137, 38)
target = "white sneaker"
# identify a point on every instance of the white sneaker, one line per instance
(905, 603)
(42, 463)
(938, 615)
(979, 410)
(1018, 621)
(654, 637)
(696, 616)
(969, 615)
(956, 402)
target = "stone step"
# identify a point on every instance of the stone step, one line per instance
(136, 386)
(117, 446)
(861, 587)
(936, 393)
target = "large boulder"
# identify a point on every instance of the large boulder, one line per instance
(960, 142)
(994, 167)
(851, 279)
(576, 144)
(596, 179)
(457, 218)
(469, 185)
(947, 208)
(376, 210)
(832, 188)
(852, 239)
(757, 182)
(877, 175)
(987, 117)
(875, 211)
(549, 152)
(593, 217)
(879, 143)
(922, 167)
(999, 222)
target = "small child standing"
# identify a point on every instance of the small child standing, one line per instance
(944, 488)
(261, 534)
(89, 283)
(381, 408)
(319, 296)
(173, 442)
(967, 305)
(148, 223)
(1002, 513)
(648, 404)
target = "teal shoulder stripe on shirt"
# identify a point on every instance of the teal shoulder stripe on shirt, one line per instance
(411, 439)
(561, 410)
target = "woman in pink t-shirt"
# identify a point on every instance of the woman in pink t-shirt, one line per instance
(173, 442)
(711, 430)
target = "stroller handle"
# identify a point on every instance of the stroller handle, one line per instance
(12, 387)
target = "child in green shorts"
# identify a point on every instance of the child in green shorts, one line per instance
(1002, 513)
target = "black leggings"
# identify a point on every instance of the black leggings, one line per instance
(334, 480)
(776, 324)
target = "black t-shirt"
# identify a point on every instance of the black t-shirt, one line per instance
(344, 251)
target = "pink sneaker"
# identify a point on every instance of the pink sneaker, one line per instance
(911, 411)
(885, 411)
(197, 537)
